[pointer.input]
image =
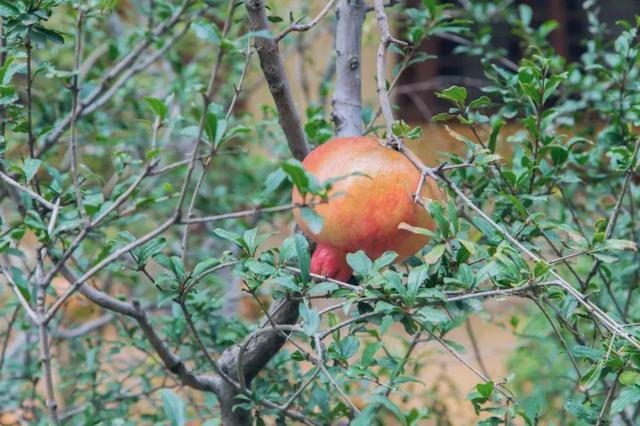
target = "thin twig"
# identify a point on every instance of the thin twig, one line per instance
(613, 217)
(459, 357)
(560, 336)
(16, 290)
(476, 348)
(32, 194)
(306, 27)
(75, 90)
(45, 350)
(243, 213)
(121, 66)
(323, 368)
(7, 336)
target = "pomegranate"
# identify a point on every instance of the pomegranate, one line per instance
(364, 209)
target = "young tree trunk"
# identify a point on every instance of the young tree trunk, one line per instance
(347, 103)
(258, 353)
(347, 116)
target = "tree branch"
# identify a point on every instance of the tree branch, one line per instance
(133, 309)
(306, 27)
(347, 102)
(276, 77)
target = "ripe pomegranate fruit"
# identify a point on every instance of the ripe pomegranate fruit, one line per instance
(365, 209)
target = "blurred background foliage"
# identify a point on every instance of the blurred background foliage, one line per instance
(542, 100)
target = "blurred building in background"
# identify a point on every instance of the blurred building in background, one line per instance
(415, 93)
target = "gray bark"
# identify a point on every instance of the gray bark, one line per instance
(274, 72)
(259, 352)
(347, 103)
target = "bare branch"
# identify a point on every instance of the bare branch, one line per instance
(306, 27)
(86, 327)
(106, 261)
(244, 213)
(172, 362)
(88, 108)
(357, 289)
(327, 374)
(14, 287)
(383, 95)
(459, 357)
(274, 72)
(45, 351)
(32, 194)
(124, 64)
(7, 337)
(73, 146)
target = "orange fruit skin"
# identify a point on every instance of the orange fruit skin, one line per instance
(364, 211)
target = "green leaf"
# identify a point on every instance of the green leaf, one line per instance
(389, 406)
(21, 283)
(323, 287)
(416, 229)
(443, 116)
(7, 9)
(287, 282)
(41, 35)
(432, 315)
(385, 259)
(232, 237)
(311, 319)
(605, 258)
(369, 352)
(495, 131)
(226, 235)
(34, 221)
(273, 181)
(206, 31)
(416, 277)
(485, 389)
(260, 268)
(204, 266)
(526, 13)
(630, 378)
(30, 168)
(157, 106)
(211, 126)
(559, 155)
(173, 407)
(359, 262)
(468, 245)
(149, 250)
(176, 267)
(455, 94)
(629, 395)
(313, 220)
(298, 176)
(540, 269)
(220, 129)
(348, 347)
(387, 321)
(434, 254)
(591, 377)
(614, 244)
(304, 260)
(481, 101)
